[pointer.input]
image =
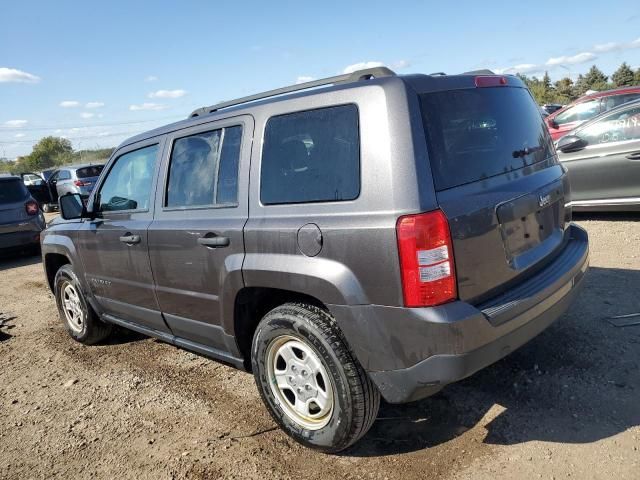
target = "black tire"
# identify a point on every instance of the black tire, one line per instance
(356, 399)
(90, 329)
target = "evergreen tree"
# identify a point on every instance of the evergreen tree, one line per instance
(595, 79)
(623, 76)
(580, 86)
(564, 90)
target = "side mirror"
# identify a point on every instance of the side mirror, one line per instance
(571, 143)
(72, 206)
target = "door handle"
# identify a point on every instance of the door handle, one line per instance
(634, 156)
(130, 239)
(214, 242)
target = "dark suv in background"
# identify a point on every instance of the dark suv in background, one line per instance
(21, 220)
(361, 236)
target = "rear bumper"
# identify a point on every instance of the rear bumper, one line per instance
(21, 234)
(411, 353)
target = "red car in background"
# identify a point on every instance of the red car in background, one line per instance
(585, 108)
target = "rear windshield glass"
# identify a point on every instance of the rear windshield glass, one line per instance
(12, 191)
(482, 132)
(87, 172)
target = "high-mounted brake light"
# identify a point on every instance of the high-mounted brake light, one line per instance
(426, 259)
(31, 207)
(491, 81)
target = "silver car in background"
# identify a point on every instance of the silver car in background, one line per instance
(603, 160)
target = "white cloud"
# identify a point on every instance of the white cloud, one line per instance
(571, 60)
(168, 93)
(87, 114)
(69, 104)
(361, 66)
(14, 75)
(304, 79)
(617, 46)
(400, 64)
(151, 78)
(94, 105)
(147, 106)
(19, 135)
(522, 68)
(15, 123)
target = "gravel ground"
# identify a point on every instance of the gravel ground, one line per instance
(565, 405)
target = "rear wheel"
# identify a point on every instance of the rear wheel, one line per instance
(310, 381)
(81, 321)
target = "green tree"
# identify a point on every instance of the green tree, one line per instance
(637, 76)
(46, 151)
(623, 76)
(595, 79)
(564, 90)
(580, 86)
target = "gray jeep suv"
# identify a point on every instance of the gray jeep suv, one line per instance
(363, 236)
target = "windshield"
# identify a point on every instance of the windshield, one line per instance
(88, 172)
(12, 191)
(478, 133)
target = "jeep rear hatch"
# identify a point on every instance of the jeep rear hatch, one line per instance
(497, 181)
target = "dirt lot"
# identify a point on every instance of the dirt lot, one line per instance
(565, 405)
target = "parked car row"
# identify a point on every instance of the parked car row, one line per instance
(49, 186)
(565, 119)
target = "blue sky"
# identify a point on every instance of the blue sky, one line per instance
(125, 67)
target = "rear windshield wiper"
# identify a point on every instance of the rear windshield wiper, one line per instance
(526, 151)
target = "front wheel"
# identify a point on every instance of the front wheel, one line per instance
(80, 320)
(309, 379)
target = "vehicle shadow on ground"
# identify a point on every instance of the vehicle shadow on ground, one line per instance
(607, 216)
(577, 382)
(4, 326)
(18, 259)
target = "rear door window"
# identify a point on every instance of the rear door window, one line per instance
(89, 172)
(12, 191)
(204, 169)
(311, 156)
(478, 133)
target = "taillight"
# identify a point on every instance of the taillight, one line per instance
(426, 259)
(31, 207)
(491, 81)
(79, 183)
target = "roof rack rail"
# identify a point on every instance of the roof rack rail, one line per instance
(356, 76)
(484, 71)
(438, 74)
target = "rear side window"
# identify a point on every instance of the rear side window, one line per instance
(204, 169)
(64, 175)
(478, 133)
(311, 156)
(12, 191)
(88, 172)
